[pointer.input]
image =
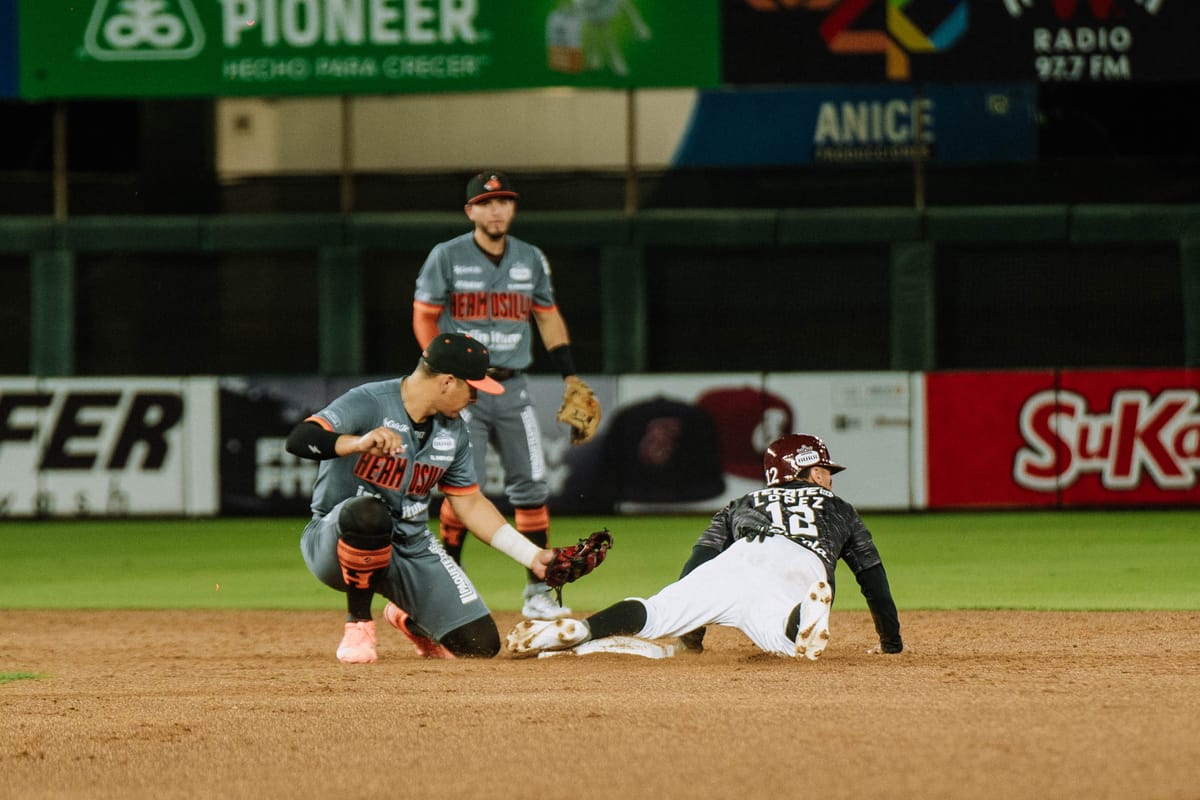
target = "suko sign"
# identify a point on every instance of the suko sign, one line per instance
(1071, 438)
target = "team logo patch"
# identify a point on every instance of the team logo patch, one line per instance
(804, 457)
(492, 184)
(443, 441)
(520, 273)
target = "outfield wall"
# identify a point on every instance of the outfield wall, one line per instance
(204, 446)
(889, 288)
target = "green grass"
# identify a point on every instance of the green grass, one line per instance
(9, 677)
(1019, 560)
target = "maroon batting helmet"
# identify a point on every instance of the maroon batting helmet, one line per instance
(788, 456)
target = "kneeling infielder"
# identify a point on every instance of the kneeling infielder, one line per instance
(764, 565)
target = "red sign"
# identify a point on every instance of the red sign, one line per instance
(1083, 438)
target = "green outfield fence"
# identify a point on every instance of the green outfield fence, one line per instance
(85, 290)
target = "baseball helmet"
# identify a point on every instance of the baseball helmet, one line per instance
(788, 456)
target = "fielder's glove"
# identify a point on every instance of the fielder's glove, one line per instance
(572, 563)
(581, 410)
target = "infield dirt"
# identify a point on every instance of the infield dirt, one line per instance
(172, 704)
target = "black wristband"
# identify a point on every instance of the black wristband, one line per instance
(563, 360)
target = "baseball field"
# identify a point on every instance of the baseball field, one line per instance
(1047, 655)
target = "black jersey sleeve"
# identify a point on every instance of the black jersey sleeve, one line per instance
(873, 582)
(859, 550)
(700, 554)
(720, 531)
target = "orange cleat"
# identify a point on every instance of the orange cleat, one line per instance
(426, 647)
(358, 643)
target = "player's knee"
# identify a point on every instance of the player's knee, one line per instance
(365, 523)
(477, 639)
(364, 546)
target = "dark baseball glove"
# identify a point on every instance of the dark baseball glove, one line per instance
(572, 563)
(581, 410)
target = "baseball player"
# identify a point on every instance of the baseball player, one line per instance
(488, 285)
(383, 446)
(764, 565)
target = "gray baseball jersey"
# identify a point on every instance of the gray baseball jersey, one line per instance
(421, 577)
(492, 303)
(486, 301)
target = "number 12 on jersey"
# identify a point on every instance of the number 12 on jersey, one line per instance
(793, 510)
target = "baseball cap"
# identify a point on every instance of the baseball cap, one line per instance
(489, 183)
(463, 357)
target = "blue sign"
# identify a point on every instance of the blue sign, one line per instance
(8, 48)
(861, 124)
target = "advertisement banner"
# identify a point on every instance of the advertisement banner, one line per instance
(956, 41)
(667, 443)
(1071, 439)
(258, 476)
(693, 443)
(861, 124)
(83, 447)
(175, 48)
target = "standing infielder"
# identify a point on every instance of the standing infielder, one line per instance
(383, 447)
(764, 565)
(487, 284)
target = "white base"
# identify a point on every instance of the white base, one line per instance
(624, 645)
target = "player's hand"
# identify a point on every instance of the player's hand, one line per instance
(544, 559)
(382, 441)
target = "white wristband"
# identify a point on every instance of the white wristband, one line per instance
(515, 546)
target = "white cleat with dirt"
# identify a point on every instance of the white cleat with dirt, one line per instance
(539, 635)
(813, 634)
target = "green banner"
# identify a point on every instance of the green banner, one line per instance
(180, 48)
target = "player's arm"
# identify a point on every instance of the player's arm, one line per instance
(315, 439)
(861, 555)
(431, 293)
(701, 553)
(716, 537)
(873, 583)
(693, 640)
(553, 330)
(425, 322)
(479, 515)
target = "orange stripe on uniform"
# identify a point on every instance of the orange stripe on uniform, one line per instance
(451, 529)
(531, 520)
(425, 321)
(358, 565)
(456, 490)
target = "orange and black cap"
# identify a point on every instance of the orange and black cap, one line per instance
(463, 357)
(489, 184)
